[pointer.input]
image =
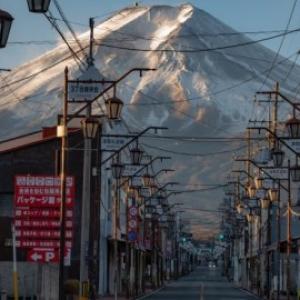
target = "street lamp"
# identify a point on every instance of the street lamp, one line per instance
(278, 157)
(147, 179)
(251, 190)
(136, 155)
(274, 194)
(113, 108)
(117, 168)
(38, 6)
(5, 24)
(89, 127)
(259, 181)
(293, 126)
(265, 203)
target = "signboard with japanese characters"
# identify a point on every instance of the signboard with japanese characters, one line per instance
(294, 144)
(87, 87)
(111, 143)
(277, 173)
(37, 216)
(130, 170)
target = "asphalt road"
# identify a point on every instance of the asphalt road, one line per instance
(202, 284)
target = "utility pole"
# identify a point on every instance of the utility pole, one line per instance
(289, 237)
(86, 194)
(15, 271)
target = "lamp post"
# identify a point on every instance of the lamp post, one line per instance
(5, 24)
(38, 6)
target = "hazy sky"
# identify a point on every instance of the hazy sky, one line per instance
(243, 15)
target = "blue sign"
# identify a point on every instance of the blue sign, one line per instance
(132, 236)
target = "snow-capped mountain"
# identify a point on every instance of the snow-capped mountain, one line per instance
(194, 91)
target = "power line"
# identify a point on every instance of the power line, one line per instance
(281, 43)
(204, 49)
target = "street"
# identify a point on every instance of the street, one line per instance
(203, 284)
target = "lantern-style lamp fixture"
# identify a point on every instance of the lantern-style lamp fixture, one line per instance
(5, 24)
(113, 108)
(293, 127)
(38, 6)
(278, 157)
(90, 127)
(251, 191)
(136, 155)
(117, 170)
(239, 208)
(147, 179)
(250, 217)
(295, 173)
(265, 203)
(274, 194)
(259, 182)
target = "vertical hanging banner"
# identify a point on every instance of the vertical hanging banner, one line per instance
(37, 216)
(132, 223)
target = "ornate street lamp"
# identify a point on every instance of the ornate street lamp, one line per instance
(38, 6)
(277, 157)
(239, 208)
(259, 182)
(251, 191)
(250, 217)
(293, 126)
(136, 155)
(113, 108)
(89, 127)
(295, 173)
(274, 194)
(117, 170)
(5, 24)
(148, 179)
(265, 203)
(131, 191)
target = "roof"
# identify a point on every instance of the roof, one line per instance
(33, 138)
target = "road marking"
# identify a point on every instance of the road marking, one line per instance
(202, 291)
(150, 294)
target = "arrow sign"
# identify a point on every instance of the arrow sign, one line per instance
(47, 255)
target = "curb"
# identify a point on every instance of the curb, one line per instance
(249, 293)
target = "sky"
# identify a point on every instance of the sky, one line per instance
(242, 15)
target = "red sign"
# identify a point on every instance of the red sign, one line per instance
(41, 213)
(42, 223)
(41, 244)
(42, 191)
(37, 215)
(47, 255)
(42, 234)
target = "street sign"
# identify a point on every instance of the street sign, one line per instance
(137, 181)
(41, 243)
(41, 214)
(133, 211)
(294, 144)
(277, 173)
(112, 143)
(132, 223)
(48, 255)
(42, 234)
(130, 170)
(42, 223)
(87, 87)
(42, 191)
(37, 216)
(132, 236)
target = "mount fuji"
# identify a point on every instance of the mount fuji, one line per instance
(202, 88)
